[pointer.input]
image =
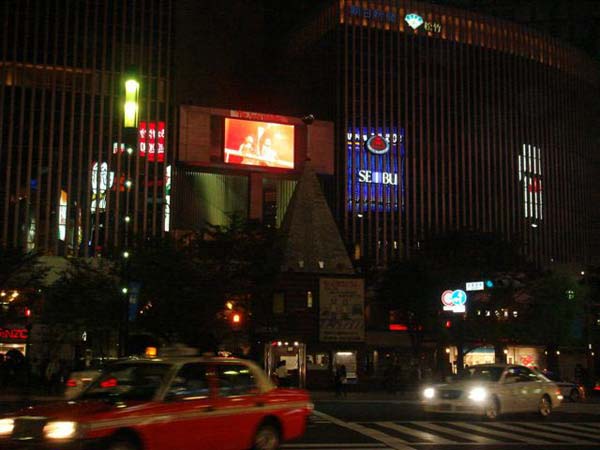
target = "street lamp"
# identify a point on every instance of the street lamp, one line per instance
(131, 107)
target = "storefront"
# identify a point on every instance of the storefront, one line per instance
(13, 337)
(524, 355)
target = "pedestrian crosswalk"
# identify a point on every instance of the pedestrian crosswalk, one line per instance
(412, 435)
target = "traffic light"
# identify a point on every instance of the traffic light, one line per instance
(489, 284)
(27, 312)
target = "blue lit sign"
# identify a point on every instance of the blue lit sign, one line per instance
(375, 169)
(414, 20)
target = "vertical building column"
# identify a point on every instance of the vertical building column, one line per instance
(255, 196)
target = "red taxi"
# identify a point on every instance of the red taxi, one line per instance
(166, 404)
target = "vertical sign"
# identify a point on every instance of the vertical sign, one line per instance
(160, 139)
(167, 198)
(341, 310)
(142, 132)
(62, 216)
(151, 140)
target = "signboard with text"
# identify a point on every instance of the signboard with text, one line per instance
(341, 310)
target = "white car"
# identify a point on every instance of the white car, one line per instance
(494, 389)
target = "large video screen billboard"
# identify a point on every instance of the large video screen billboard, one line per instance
(256, 143)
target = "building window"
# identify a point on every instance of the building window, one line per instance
(309, 299)
(278, 303)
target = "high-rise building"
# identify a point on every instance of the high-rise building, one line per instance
(450, 120)
(74, 180)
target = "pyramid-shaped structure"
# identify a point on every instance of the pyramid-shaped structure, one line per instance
(311, 239)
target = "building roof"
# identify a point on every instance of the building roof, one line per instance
(311, 239)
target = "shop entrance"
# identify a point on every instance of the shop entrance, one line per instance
(292, 357)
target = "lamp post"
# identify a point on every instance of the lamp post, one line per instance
(131, 111)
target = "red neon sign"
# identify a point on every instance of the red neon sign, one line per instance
(151, 140)
(13, 333)
(398, 327)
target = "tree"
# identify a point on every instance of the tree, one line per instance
(184, 288)
(85, 298)
(556, 313)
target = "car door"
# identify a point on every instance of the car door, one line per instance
(239, 403)
(187, 418)
(512, 400)
(530, 388)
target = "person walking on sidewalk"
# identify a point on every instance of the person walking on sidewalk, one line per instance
(340, 381)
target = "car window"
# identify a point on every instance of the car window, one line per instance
(128, 382)
(235, 380)
(521, 374)
(481, 373)
(191, 382)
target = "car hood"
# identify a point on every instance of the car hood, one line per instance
(461, 385)
(74, 410)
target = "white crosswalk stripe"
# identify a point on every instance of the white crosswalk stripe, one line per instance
(412, 435)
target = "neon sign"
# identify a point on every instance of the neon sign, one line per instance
(372, 14)
(151, 140)
(13, 333)
(415, 21)
(530, 174)
(375, 169)
(378, 145)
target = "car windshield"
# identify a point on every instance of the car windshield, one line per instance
(128, 381)
(481, 373)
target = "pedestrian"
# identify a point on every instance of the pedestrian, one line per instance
(282, 374)
(340, 381)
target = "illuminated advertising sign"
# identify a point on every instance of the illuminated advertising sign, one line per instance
(62, 216)
(372, 14)
(378, 145)
(256, 143)
(414, 20)
(454, 301)
(167, 198)
(151, 140)
(375, 169)
(530, 175)
(13, 333)
(102, 180)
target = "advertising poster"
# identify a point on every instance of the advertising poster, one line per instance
(341, 312)
(254, 143)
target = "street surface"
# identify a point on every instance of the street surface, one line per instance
(362, 424)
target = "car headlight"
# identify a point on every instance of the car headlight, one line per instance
(429, 393)
(60, 430)
(6, 426)
(478, 394)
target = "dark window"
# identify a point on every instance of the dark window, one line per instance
(190, 382)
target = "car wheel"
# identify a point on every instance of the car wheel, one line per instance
(121, 444)
(266, 438)
(545, 406)
(492, 409)
(574, 395)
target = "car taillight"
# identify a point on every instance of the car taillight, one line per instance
(109, 383)
(71, 382)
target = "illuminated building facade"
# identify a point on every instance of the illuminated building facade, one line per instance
(233, 162)
(74, 180)
(449, 120)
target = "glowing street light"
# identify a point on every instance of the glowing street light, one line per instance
(131, 106)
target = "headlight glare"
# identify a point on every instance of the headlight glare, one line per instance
(478, 394)
(60, 430)
(6, 426)
(429, 393)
